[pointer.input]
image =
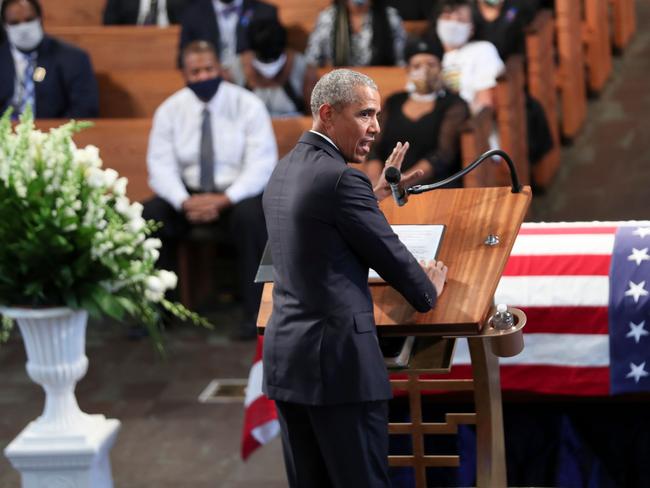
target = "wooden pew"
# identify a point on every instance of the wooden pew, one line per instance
(571, 67)
(511, 121)
(299, 17)
(122, 146)
(288, 131)
(416, 28)
(540, 62)
(389, 79)
(474, 142)
(124, 47)
(598, 49)
(135, 93)
(624, 22)
(58, 13)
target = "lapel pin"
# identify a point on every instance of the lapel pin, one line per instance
(39, 74)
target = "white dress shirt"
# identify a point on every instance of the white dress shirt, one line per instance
(472, 68)
(324, 137)
(162, 20)
(227, 30)
(243, 139)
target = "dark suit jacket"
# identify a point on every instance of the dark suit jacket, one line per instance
(200, 22)
(69, 88)
(325, 230)
(126, 11)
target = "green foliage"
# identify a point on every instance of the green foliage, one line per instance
(70, 236)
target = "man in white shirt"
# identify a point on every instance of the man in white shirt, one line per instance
(211, 152)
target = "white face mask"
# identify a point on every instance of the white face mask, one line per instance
(452, 33)
(270, 70)
(26, 35)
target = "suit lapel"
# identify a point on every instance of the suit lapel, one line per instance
(45, 61)
(7, 76)
(209, 13)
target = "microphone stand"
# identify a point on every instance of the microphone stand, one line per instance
(516, 186)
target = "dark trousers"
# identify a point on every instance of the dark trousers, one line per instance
(244, 226)
(335, 446)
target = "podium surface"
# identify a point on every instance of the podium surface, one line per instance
(470, 215)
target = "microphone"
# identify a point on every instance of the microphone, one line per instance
(514, 178)
(393, 176)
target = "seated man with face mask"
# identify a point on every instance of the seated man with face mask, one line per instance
(426, 115)
(279, 76)
(36, 70)
(211, 152)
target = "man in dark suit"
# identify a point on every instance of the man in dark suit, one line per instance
(144, 12)
(55, 78)
(322, 361)
(224, 23)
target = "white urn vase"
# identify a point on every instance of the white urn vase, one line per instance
(64, 447)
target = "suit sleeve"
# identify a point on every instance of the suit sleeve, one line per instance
(111, 13)
(368, 233)
(81, 87)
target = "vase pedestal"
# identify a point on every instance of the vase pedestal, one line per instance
(64, 447)
(75, 460)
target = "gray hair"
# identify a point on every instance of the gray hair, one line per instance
(336, 88)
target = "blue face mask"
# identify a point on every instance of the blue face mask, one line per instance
(205, 89)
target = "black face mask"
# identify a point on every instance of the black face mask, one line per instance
(205, 89)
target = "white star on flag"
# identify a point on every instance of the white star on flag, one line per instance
(642, 231)
(639, 255)
(636, 291)
(637, 372)
(636, 331)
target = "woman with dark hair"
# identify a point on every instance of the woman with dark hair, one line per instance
(426, 115)
(357, 33)
(502, 22)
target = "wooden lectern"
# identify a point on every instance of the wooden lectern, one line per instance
(481, 227)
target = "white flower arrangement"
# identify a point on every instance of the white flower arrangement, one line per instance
(70, 236)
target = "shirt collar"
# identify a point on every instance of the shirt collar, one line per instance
(220, 7)
(325, 137)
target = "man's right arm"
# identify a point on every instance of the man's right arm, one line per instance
(164, 171)
(368, 233)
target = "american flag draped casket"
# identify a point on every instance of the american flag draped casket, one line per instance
(584, 288)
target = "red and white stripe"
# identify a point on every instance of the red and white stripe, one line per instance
(260, 418)
(558, 274)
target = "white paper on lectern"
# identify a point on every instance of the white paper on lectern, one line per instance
(422, 240)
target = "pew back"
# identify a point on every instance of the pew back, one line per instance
(540, 57)
(72, 12)
(389, 79)
(598, 48)
(511, 121)
(571, 74)
(135, 93)
(123, 145)
(124, 47)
